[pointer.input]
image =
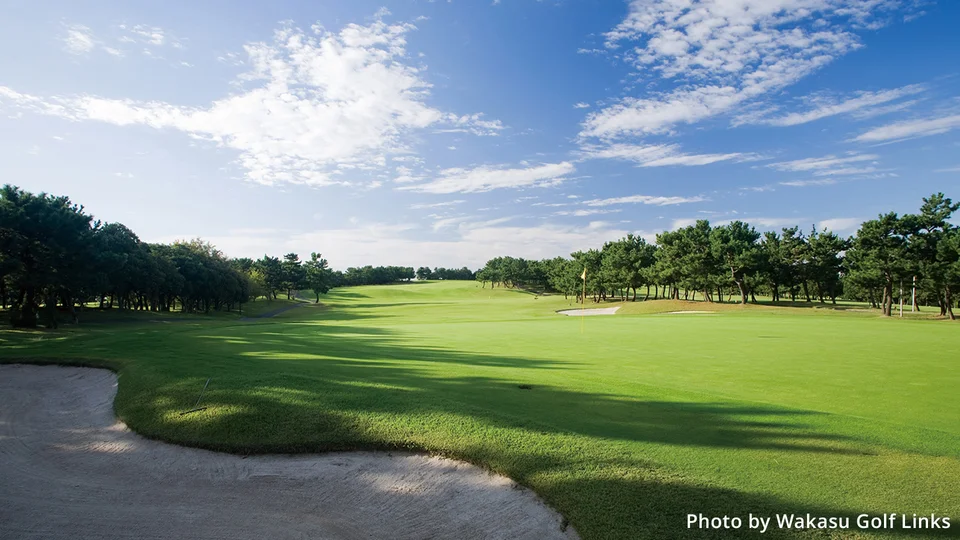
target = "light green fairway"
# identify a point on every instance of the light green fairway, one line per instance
(629, 425)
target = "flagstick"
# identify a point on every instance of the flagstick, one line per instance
(583, 300)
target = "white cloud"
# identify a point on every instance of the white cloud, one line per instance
(657, 155)
(872, 112)
(729, 52)
(821, 164)
(840, 224)
(78, 40)
(231, 58)
(314, 104)
(586, 212)
(634, 116)
(644, 199)
(806, 183)
(151, 35)
(910, 129)
(436, 205)
(758, 189)
(846, 171)
(581, 105)
(949, 169)
(482, 179)
(864, 100)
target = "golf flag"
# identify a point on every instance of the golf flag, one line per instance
(583, 299)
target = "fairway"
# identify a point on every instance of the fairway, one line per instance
(624, 424)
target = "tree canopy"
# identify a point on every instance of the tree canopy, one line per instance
(735, 259)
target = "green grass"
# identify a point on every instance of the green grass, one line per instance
(626, 428)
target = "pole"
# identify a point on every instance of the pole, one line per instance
(583, 301)
(901, 298)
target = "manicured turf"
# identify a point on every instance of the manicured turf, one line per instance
(627, 427)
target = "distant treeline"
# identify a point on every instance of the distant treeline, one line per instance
(464, 274)
(887, 255)
(54, 257)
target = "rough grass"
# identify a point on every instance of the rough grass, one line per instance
(626, 427)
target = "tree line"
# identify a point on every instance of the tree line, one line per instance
(463, 274)
(887, 256)
(55, 258)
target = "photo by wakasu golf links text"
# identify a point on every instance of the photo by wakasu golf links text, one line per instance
(637, 269)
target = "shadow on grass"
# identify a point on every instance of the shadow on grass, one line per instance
(278, 388)
(528, 437)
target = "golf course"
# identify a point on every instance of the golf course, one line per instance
(623, 424)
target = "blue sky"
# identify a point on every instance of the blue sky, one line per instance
(445, 133)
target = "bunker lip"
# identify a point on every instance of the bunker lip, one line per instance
(71, 469)
(588, 312)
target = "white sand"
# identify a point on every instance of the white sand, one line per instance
(588, 312)
(687, 312)
(69, 469)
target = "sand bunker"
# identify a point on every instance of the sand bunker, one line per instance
(687, 312)
(588, 312)
(69, 469)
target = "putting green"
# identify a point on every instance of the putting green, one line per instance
(625, 428)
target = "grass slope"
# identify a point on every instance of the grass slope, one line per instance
(626, 428)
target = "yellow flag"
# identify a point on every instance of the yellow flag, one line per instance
(583, 276)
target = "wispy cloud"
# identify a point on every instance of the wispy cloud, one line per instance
(644, 199)
(657, 155)
(827, 108)
(807, 183)
(824, 164)
(481, 179)
(586, 212)
(949, 169)
(78, 39)
(910, 129)
(436, 205)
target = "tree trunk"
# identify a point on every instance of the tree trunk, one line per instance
(948, 301)
(28, 309)
(739, 282)
(50, 311)
(888, 298)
